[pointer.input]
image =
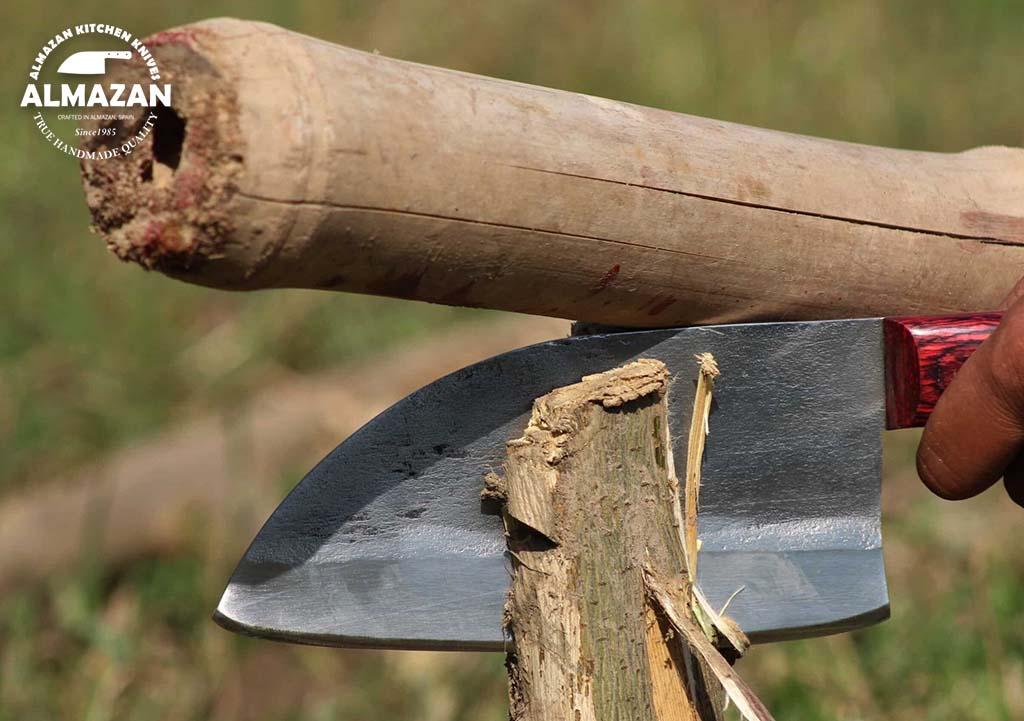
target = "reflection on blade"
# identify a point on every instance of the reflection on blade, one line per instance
(384, 543)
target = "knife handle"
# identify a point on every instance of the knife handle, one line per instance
(922, 354)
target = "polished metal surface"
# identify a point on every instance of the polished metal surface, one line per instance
(384, 543)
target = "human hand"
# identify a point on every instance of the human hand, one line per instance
(975, 435)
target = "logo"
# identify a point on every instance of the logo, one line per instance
(113, 92)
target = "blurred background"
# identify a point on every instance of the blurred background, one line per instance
(147, 428)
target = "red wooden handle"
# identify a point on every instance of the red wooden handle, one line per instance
(922, 354)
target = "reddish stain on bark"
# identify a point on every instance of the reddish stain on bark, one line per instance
(152, 234)
(160, 240)
(172, 37)
(187, 187)
(1005, 227)
(659, 304)
(607, 280)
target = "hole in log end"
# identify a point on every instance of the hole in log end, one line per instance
(163, 200)
(168, 137)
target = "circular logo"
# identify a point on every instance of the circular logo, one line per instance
(76, 90)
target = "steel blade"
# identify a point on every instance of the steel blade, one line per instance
(384, 543)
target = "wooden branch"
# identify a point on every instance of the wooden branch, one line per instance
(600, 592)
(287, 161)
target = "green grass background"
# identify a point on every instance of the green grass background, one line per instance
(94, 354)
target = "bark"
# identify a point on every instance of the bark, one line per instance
(592, 514)
(287, 161)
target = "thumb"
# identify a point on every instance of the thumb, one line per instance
(976, 432)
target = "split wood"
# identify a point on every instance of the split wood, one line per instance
(603, 616)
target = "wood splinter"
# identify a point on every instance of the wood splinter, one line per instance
(605, 621)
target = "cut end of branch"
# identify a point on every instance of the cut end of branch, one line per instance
(163, 204)
(611, 389)
(553, 416)
(708, 365)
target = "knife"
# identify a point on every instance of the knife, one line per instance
(385, 543)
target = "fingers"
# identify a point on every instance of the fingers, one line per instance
(1013, 480)
(976, 432)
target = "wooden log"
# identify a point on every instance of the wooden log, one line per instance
(287, 161)
(593, 520)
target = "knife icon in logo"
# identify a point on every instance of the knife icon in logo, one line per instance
(91, 62)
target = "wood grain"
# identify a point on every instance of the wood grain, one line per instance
(590, 509)
(305, 164)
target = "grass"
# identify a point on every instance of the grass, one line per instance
(94, 355)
